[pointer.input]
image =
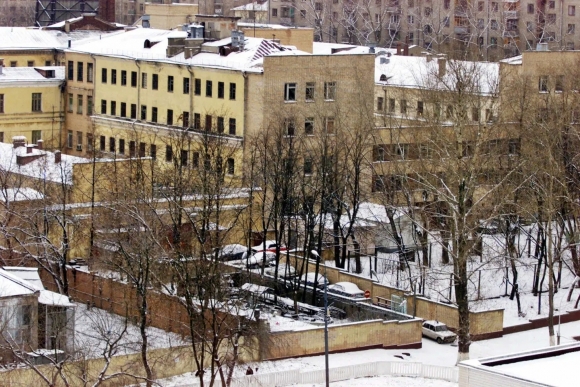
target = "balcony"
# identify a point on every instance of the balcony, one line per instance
(461, 11)
(287, 20)
(462, 30)
(511, 14)
(511, 34)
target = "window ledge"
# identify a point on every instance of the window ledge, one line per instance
(289, 101)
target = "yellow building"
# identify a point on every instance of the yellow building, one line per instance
(31, 103)
(169, 16)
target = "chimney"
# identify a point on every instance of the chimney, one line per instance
(69, 43)
(67, 26)
(106, 10)
(442, 62)
(39, 144)
(28, 150)
(57, 156)
(18, 141)
(1, 65)
(398, 48)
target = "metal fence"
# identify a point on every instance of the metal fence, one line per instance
(378, 368)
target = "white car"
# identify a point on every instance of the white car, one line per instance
(346, 289)
(233, 252)
(309, 279)
(438, 332)
(256, 260)
(284, 271)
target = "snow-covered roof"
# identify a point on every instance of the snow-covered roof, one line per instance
(30, 276)
(16, 75)
(12, 285)
(255, 6)
(62, 23)
(42, 167)
(14, 38)
(422, 71)
(19, 194)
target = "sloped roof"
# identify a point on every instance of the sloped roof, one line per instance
(255, 6)
(15, 38)
(14, 75)
(11, 285)
(30, 276)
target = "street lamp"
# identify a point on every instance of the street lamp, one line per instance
(315, 253)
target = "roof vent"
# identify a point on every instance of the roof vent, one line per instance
(384, 60)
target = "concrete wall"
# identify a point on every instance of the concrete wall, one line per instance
(302, 38)
(168, 16)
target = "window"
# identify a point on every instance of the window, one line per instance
(230, 166)
(494, 7)
(309, 91)
(480, 6)
(113, 108)
(185, 120)
(446, 21)
(208, 119)
(380, 104)
(232, 91)
(318, 6)
(112, 144)
(290, 92)
(80, 104)
(123, 109)
(197, 86)
(89, 142)
(480, 23)
(571, 29)
(113, 77)
(69, 139)
(232, 129)
(303, 14)
(30, 63)
(197, 120)
(155, 82)
(121, 146)
(403, 106)
(185, 85)
(208, 88)
(309, 126)
(427, 11)
(221, 90)
(144, 112)
(143, 80)
(419, 108)
(132, 147)
(329, 125)
(103, 75)
(1, 103)
(70, 103)
(410, 19)
(475, 114)
(123, 78)
(133, 78)
(70, 70)
(446, 4)
(168, 153)
(37, 135)
(142, 148)
(552, 4)
(13, 64)
(90, 72)
(102, 143)
(290, 127)
(274, 12)
(89, 105)
(493, 42)
(329, 90)
(170, 83)
(551, 18)
(543, 83)
(153, 151)
(133, 111)
(36, 102)
(531, 8)
(494, 25)
(169, 117)
(154, 114)
(559, 85)
(488, 115)
(220, 125)
(571, 10)
(184, 157)
(80, 67)
(391, 105)
(308, 166)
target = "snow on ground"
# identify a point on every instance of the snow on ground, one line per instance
(95, 327)
(382, 381)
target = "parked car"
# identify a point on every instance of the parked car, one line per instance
(256, 260)
(346, 289)
(309, 279)
(438, 332)
(233, 252)
(270, 246)
(284, 271)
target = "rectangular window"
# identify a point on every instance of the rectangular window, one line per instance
(90, 144)
(309, 91)
(153, 151)
(89, 105)
(559, 85)
(134, 111)
(80, 98)
(142, 148)
(80, 66)
(70, 103)
(70, 70)
(380, 104)
(103, 75)
(475, 114)
(231, 166)
(123, 78)
(531, 8)
(69, 139)
(155, 82)
(308, 166)
(290, 127)
(185, 121)
(186, 85)
(143, 80)
(290, 92)
(419, 108)
(391, 105)
(488, 115)
(403, 106)
(232, 91)
(197, 86)
(113, 77)
(551, 18)
(220, 125)
(543, 83)
(1, 103)
(102, 143)
(169, 117)
(112, 144)
(168, 153)
(123, 109)
(208, 122)
(446, 4)
(571, 10)
(37, 135)
(170, 83)
(208, 88)
(329, 125)
(571, 29)
(13, 64)
(197, 120)
(494, 6)
(184, 157)
(132, 148)
(480, 6)
(113, 108)
(309, 126)
(494, 25)
(232, 128)
(144, 112)
(221, 90)
(90, 72)
(153, 114)
(329, 90)
(133, 78)
(274, 12)
(121, 146)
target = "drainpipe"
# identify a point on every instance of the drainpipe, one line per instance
(138, 112)
(191, 92)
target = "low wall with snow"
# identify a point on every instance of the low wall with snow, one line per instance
(344, 337)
